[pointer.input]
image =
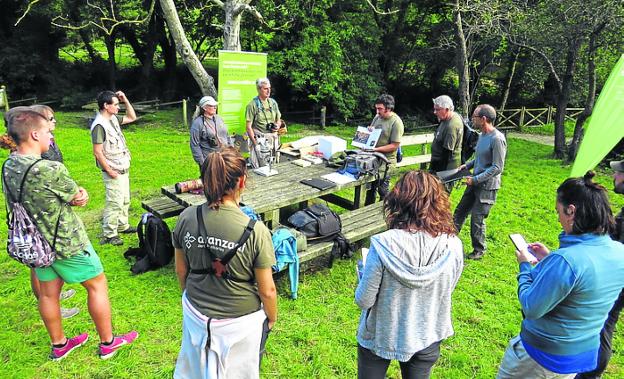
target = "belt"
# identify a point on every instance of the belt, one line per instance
(122, 172)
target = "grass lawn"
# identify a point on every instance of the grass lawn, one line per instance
(315, 335)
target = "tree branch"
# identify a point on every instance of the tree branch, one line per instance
(30, 5)
(548, 62)
(380, 12)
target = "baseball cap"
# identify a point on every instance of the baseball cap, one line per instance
(207, 100)
(617, 165)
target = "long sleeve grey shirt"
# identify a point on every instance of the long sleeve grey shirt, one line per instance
(405, 292)
(202, 130)
(489, 160)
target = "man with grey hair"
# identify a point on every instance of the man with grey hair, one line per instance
(485, 181)
(447, 144)
(263, 120)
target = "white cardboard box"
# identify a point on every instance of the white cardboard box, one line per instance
(329, 145)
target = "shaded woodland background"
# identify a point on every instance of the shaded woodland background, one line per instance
(335, 53)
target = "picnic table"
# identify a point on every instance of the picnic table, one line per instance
(267, 195)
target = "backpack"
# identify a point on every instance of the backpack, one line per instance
(469, 141)
(25, 243)
(155, 247)
(358, 163)
(317, 222)
(320, 223)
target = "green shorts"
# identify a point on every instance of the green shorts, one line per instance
(76, 269)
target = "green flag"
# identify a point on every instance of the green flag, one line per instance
(606, 126)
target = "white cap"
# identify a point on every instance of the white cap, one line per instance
(207, 100)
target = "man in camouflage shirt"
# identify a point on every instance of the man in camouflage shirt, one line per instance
(49, 194)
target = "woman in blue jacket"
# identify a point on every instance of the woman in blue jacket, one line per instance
(566, 296)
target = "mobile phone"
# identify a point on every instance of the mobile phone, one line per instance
(519, 242)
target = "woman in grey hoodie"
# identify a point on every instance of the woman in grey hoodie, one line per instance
(410, 273)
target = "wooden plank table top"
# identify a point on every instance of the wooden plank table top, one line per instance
(266, 195)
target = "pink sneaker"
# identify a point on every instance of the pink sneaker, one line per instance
(59, 353)
(107, 351)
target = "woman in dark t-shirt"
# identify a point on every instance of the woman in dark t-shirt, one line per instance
(228, 311)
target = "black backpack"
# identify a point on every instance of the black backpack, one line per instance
(320, 223)
(469, 141)
(155, 247)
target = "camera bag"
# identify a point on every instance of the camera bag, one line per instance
(316, 222)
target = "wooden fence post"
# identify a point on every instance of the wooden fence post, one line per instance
(4, 99)
(323, 114)
(184, 113)
(549, 116)
(521, 121)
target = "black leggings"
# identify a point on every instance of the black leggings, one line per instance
(371, 366)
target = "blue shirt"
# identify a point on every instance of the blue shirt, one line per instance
(566, 298)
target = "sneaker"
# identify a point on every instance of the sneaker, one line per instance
(67, 294)
(131, 229)
(69, 312)
(107, 351)
(476, 255)
(59, 353)
(115, 241)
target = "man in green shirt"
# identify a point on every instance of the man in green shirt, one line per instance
(392, 130)
(263, 120)
(447, 145)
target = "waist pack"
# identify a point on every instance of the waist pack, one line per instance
(155, 247)
(316, 222)
(25, 242)
(358, 163)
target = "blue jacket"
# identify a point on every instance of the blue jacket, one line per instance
(285, 246)
(567, 296)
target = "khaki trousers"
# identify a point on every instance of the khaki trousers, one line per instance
(115, 217)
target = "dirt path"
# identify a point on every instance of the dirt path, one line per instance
(538, 138)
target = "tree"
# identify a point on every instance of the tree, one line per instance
(233, 12)
(205, 81)
(570, 24)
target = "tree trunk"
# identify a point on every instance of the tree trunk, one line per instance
(74, 15)
(462, 63)
(169, 57)
(109, 41)
(510, 74)
(205, 81)
(231, 26)
(564, 97)
(591, 95)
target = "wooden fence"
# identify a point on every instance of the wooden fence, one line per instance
(532, 117)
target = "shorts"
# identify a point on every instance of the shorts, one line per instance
(76, 269)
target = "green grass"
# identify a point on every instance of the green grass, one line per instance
(315, 335)
(549, 129)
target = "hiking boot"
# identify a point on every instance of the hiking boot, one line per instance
(131, 229)
(59, 353)
(69, 312)
(67, 294)
(107, 351)
(476, 255)
(114, 240)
